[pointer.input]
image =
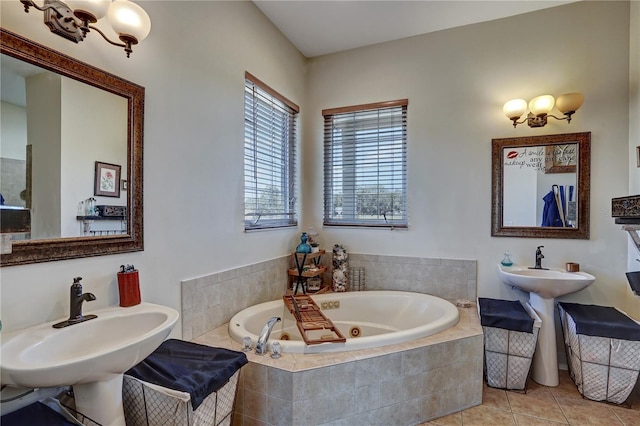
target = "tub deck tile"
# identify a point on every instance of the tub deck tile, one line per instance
(406, 383)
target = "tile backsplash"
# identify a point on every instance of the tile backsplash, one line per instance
(449, 279)
(210, 301)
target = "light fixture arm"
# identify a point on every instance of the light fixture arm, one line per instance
(567, 116)
(516, 122)
(127, 43)
(541, 120)
(75, 24)
(29, 3)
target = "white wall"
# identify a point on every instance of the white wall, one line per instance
(192, 66)
(633, 304)
(520, 207)
(13, 153)
(44, 136)
(457, 81)
(94, 128)
(13, 131)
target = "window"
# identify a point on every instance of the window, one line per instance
(365, 165)
(269, 157)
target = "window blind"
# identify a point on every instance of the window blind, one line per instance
(269, 157)
(365, 165)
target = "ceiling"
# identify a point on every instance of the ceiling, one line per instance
(321, 27)
(12, 79)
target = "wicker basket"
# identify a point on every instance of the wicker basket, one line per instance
(603, 368)
(508, 354)
(148, 404)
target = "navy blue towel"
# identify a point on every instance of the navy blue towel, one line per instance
(35, 414)
(634, 281)
(506, 314)
(602, 321)
(189, 367)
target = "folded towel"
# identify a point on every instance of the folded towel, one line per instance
(36, 414)
(506, 314)
(189, 367)
(602, 321)
(634, 281)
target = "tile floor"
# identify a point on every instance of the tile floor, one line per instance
(541, 405)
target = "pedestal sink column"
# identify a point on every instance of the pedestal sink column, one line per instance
(545, 358)
(101, 401)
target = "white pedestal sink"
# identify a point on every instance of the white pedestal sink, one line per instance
(91, 356)
(543, 287)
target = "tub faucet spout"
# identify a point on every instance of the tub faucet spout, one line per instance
(261, 345)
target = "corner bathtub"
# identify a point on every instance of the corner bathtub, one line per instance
(381, 317)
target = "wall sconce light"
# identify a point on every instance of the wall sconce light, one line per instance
(73, 21)
(540, 107)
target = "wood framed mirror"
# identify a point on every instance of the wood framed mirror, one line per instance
(541, 186)
(58, 246)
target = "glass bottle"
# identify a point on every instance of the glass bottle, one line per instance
(506, 261)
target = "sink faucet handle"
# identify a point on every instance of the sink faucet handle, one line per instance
(76, 287)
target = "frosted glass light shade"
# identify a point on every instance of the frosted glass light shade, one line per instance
(541, 105)
(96, 8)
(129, 20)
(569, 102)
(514, 108)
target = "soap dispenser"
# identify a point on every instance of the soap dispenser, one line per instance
(506, 261)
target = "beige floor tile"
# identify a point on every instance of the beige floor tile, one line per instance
(584, 412)
(542, 406)
(495, 398)
(538, 402)
(486, 416)
(566, 388)
(629, 417)
(522, 420)
(533, 386)
(454, 419)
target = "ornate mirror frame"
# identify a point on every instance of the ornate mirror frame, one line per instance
(582, 180)
(46, 250)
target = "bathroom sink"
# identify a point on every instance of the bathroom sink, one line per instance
(91, 355)
(548, 283)
(544, 285)
(42, 356)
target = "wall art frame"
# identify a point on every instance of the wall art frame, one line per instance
(107, 180)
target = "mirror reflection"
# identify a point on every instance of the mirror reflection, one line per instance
(541, 186)
(54, 129)
(71, 132)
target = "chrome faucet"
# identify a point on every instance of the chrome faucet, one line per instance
(539, 257)
(261, 345)
(76, 299)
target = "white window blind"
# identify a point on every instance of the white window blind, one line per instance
(269, 157)
(365, 165)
